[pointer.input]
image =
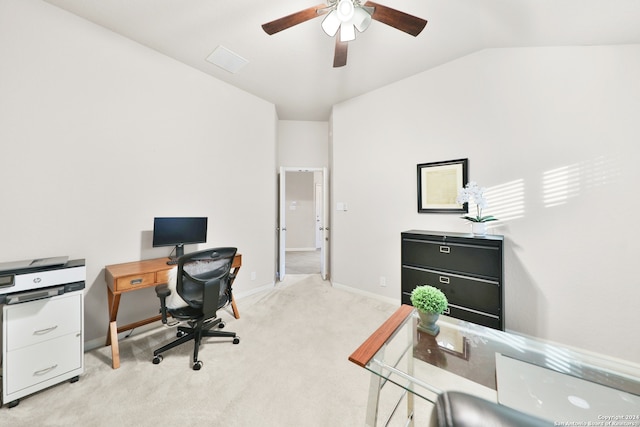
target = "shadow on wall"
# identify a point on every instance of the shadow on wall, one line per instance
(147, 251)
(524, 303)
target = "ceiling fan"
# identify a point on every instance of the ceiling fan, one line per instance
(344, 17)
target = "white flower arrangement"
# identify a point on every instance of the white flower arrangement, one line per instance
(473, 192)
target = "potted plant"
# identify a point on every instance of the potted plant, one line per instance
(430, 302)
(472, 192)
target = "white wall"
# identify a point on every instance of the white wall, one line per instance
(303, 143)
(99, 134)
(521, 116)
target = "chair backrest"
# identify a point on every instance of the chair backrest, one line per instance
(204, 278)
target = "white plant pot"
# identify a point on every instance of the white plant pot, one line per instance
(479, 228)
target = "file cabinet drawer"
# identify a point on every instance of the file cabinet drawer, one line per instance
(29, 367)
(476, 260)
(476, 294)
(42, 320)
(475, 317)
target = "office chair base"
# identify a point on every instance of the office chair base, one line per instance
(186, 334)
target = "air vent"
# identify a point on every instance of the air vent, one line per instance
(227, 60)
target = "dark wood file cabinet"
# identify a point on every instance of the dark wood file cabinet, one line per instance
(467, 268)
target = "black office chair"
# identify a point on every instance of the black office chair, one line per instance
(457, 409)
(204, 283)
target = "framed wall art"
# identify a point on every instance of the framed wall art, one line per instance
(438, 184)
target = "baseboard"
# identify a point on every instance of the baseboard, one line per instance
(389, 300)
(240, 295)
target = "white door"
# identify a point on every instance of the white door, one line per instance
(324, 247)
(319, 214)
(282, 228)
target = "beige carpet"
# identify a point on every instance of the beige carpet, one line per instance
(302, 262)
(290, 369)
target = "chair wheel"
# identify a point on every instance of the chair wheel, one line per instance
(221, 325)
(157, 359)
(180, 334)
(236, 340)
(197, 365)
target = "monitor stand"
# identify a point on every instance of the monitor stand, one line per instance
(173, 260)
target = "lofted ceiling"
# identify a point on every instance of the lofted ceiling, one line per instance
(294, 70)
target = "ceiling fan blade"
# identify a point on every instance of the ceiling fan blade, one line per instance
(294, 19)
(340, 56)
(402, 21)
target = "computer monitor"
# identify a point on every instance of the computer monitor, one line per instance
(179, 231)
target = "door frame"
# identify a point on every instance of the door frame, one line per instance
(323, 225)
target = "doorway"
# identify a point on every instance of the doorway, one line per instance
(302, 223)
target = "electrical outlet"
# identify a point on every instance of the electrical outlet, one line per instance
(383, 281)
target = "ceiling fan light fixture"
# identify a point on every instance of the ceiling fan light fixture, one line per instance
(347, 32)
(345, 10)
(361, 19)
(331, 23)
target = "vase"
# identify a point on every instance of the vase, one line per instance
(428, 323)
(479, 228)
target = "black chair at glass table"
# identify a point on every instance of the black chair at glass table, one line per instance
(198, 287)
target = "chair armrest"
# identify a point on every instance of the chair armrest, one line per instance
(163, 291)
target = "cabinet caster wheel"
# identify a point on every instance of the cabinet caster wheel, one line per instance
(180, 334)
(157, 359)
(74, 379)
(13, 404)
(236, 340)
(197, 366)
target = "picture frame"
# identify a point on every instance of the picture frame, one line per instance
(438, 184)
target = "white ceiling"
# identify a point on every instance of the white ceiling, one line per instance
(293, 68)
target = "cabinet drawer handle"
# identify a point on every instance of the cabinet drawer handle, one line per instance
(44, 331)
(136, 281)
(445, 249)
(444, 279)
(45, 370)
(446, 311)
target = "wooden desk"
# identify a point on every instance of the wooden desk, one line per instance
(132, 276)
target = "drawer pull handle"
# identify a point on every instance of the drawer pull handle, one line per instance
(45, 331)
(136, 281)
(45, 370)
(446, 311)
(445, 249)
(444, 279)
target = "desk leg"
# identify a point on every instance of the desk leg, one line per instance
(236, 313)
(373, 400)
(112, 331)
(115, 347)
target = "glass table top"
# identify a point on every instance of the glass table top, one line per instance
(464, 356)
